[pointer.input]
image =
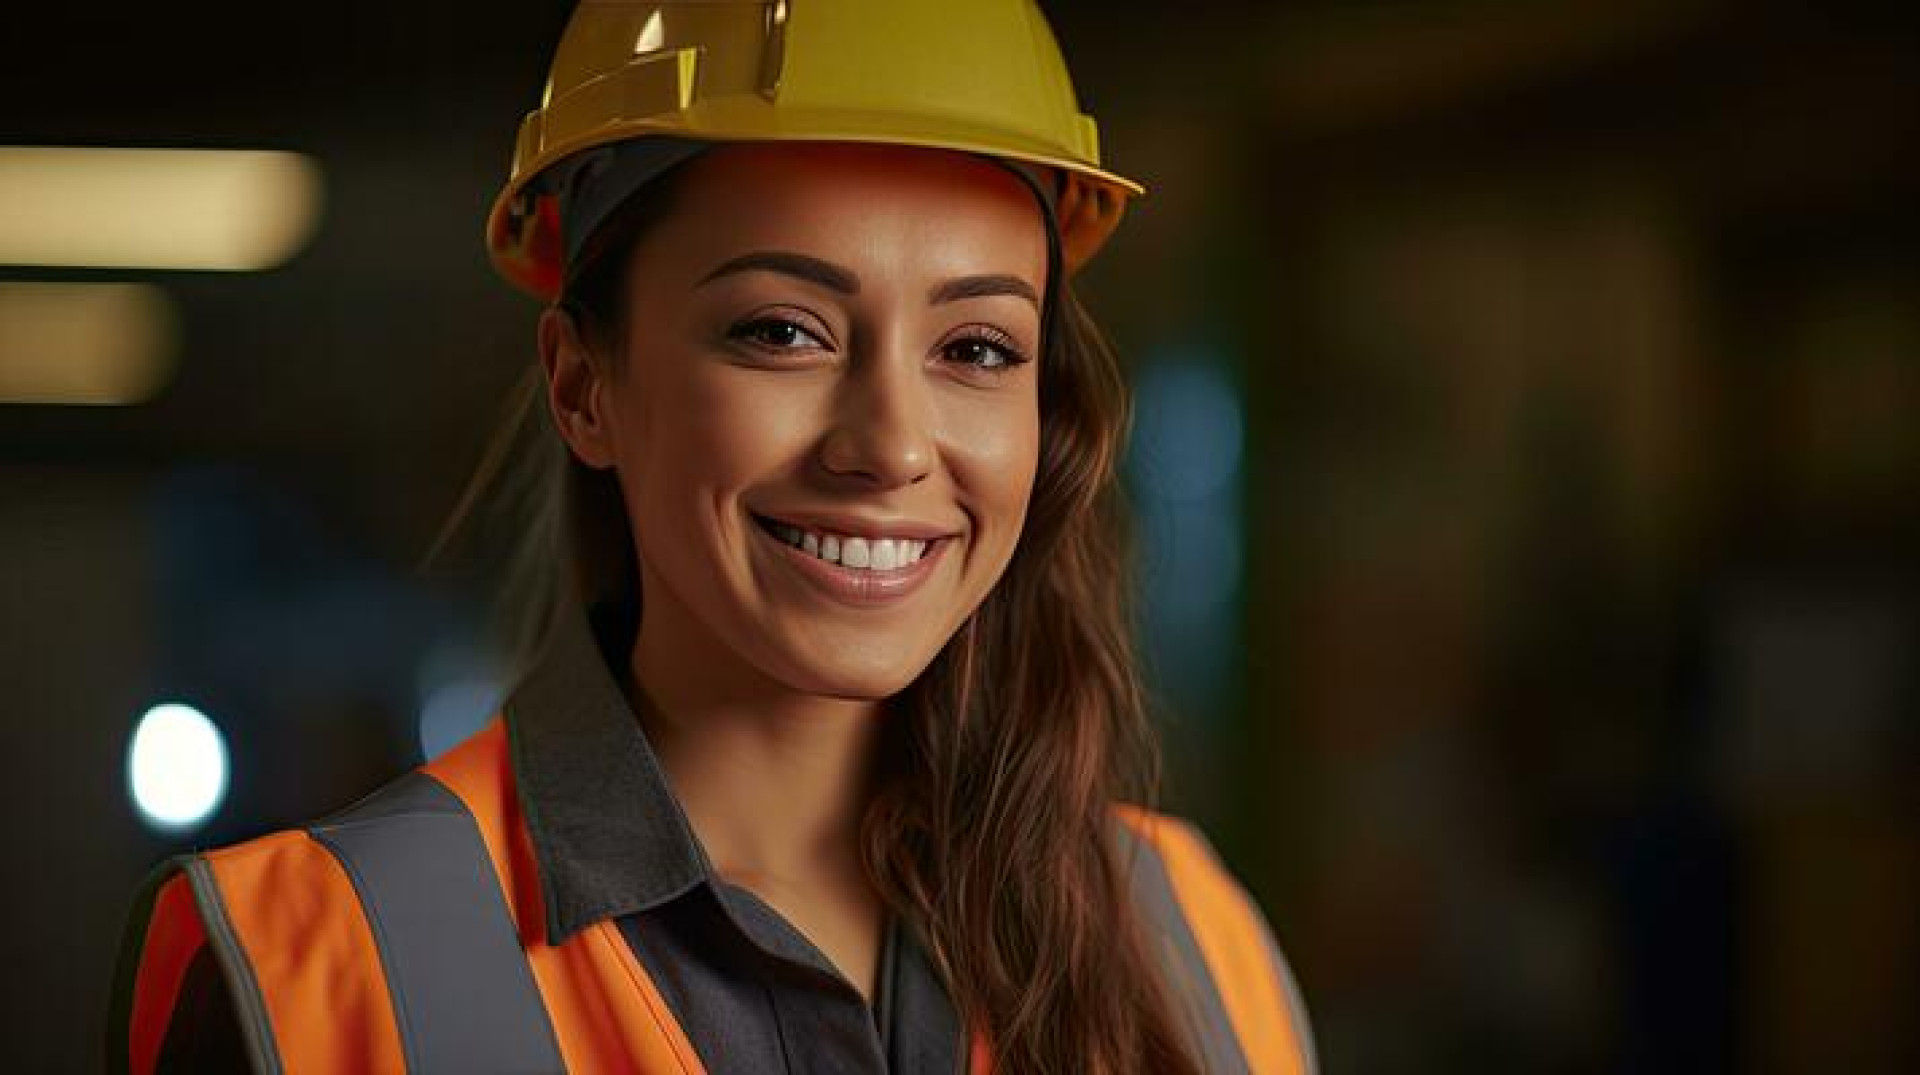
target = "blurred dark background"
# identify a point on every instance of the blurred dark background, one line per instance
(1527, 459)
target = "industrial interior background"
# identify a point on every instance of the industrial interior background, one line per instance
(1527, 467)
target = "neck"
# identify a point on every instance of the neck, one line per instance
(773, 780)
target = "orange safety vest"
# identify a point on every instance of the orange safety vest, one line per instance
(406, 934)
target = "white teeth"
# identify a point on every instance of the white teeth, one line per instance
(873, 554)
(854, 552)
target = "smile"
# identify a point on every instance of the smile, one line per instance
(859, 553)
(862, 571)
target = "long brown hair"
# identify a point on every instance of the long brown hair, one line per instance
(994, 829)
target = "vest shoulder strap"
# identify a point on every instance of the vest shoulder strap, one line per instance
(463, 997)
(1227, 972)
(374, 939)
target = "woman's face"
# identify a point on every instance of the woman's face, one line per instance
(830, 356)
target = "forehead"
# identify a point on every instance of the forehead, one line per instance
(907, 209)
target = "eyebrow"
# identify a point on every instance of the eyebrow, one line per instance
(839, 278)
(973, 287)
(788, 263)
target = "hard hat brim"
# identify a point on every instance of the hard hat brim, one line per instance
(528, 258)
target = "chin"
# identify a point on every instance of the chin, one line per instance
(872, 676)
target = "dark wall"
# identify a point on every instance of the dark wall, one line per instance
(1557, 699)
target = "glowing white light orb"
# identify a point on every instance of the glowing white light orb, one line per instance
(176, 767)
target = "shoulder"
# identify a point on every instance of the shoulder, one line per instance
(350, 892)
(257, 910)
(1168, 836)
(285, 883)
(200, 925)
(1179, 852)
(1213, 936)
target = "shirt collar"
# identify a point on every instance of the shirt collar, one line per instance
(608, 834)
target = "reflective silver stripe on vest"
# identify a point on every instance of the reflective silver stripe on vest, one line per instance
(463, 996)
(249, 1005)
(1194, 991)
(1290, 986)
(1296, 1001)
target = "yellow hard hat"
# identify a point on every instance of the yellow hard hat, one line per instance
(983, 76)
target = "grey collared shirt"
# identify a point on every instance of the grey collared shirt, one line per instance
(752, 993)
(611, 840)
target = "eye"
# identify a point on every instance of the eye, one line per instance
(774, 334)
(985, 348)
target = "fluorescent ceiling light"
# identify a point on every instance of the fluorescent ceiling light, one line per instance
(84, 343)
(232, 210)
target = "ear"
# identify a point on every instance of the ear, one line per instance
(574, 390)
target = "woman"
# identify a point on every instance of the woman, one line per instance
(825, 756)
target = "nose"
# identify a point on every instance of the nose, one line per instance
(882, 432)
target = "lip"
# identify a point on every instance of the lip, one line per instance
(860, 588)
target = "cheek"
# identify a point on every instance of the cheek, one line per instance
(995, 454)
(706, 432)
